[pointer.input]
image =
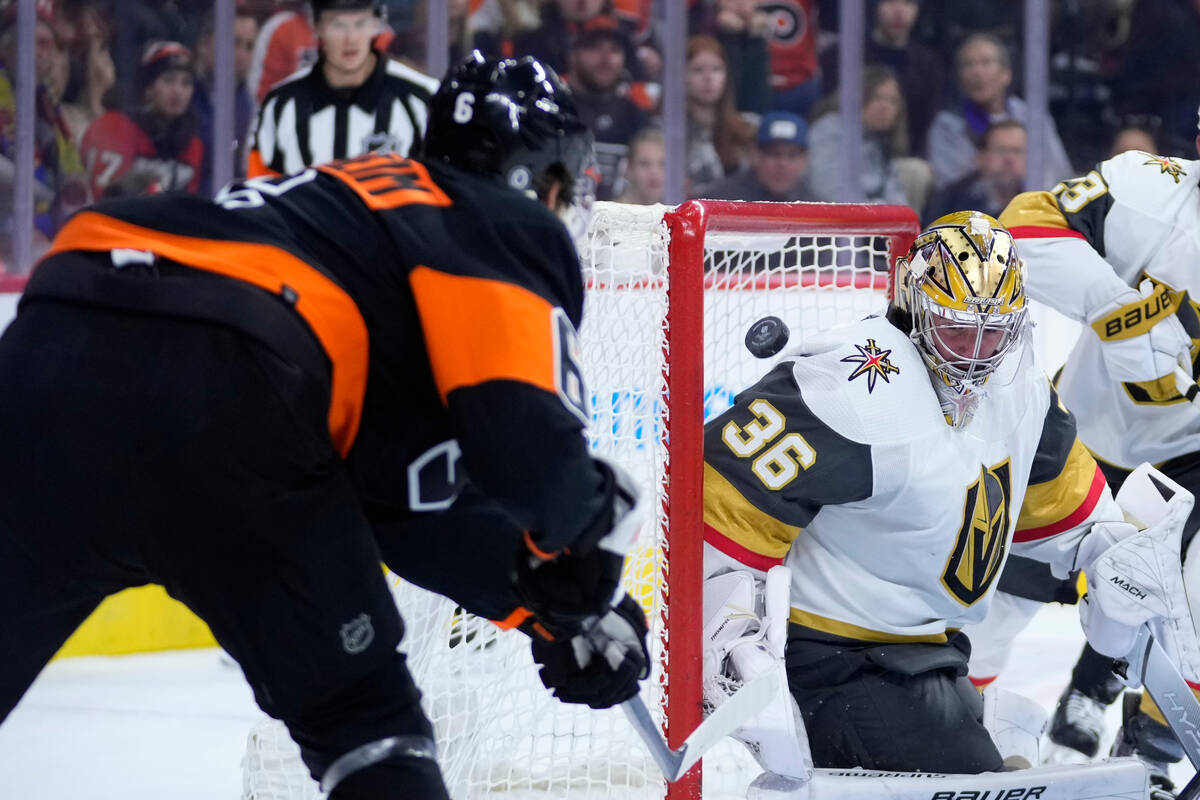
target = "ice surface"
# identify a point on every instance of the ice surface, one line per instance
(174, 724)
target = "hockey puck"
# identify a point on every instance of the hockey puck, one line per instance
(767, 337)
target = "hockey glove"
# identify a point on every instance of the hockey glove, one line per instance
(1137, 577)
(1142, 338)
(601, 666)
(563, 590)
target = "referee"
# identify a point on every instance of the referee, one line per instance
(352, 100)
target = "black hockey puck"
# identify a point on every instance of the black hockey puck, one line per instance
(767, 337)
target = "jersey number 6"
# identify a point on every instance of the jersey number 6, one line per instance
(786, 453)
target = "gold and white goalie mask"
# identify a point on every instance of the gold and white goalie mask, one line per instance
(961, 287)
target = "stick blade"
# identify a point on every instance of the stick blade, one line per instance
(735, 712)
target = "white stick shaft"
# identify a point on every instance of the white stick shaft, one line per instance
(1186, 386)
(735, 712)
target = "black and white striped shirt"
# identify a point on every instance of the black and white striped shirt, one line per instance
(303, 120)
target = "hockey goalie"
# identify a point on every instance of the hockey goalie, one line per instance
(860, 501)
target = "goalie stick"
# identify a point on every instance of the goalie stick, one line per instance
(730, 715)
(1186, 385)
(1147, 664)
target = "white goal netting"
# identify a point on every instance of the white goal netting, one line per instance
(499, 732)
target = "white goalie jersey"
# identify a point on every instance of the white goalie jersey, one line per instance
(840, 463)
(1131, 223)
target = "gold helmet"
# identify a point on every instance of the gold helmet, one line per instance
(961, 288)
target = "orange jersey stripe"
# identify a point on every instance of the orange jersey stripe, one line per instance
(330, 313)
(513, 620)
(255, 167)
(479, 330)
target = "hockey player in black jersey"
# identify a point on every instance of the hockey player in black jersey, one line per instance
(237, 398)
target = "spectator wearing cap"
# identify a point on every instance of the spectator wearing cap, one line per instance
(60, 185)
(562, 22)
(886, 173)
(354, 99)
(599, 80)
(245, 29)
(778, 164)
(158, 136)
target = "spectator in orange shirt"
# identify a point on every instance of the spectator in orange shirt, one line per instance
(285, 43)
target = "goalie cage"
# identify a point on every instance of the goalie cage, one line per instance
(671, 293)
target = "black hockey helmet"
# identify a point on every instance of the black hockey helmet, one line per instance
(513, 118)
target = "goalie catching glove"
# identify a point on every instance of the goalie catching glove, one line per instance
(1134, 575)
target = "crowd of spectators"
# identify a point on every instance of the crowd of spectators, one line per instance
(125, 91)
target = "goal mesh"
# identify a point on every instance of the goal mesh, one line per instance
(670, 295)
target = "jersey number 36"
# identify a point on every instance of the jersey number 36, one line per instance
(779, 455)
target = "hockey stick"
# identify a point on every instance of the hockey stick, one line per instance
(1186, 385)
(1150, 666)
(731, 715)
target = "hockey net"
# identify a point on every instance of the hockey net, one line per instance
(671, 294)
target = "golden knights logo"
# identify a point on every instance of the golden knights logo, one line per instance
(983, 538)
(1166, 165)
(872, 362)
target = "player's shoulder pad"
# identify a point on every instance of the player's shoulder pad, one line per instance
(491, 231)
(779, 455)
(867, 382)
(1146, 181)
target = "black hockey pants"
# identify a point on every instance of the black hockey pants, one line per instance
(904, 707)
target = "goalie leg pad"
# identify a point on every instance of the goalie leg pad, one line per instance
(745, 634)
(1016, 724)
(1114, 779)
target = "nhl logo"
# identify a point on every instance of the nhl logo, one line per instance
(381, 142)
(357, 634)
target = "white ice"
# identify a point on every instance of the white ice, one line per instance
(173, 725)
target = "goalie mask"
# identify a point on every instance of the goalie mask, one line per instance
(960, 292)
(515, 119)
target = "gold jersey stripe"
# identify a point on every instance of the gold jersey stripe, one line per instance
(1035, 210)
(727, 511)
(847, 630)
(1054, 500)
(1138, 317)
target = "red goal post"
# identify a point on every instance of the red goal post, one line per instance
(690, 227)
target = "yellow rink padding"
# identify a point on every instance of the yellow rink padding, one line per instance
(147, 619)
(136, 621)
